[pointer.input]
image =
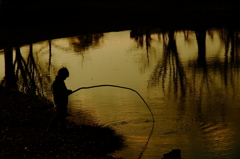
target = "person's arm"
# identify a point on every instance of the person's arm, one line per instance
(69, 92)
(60, 92)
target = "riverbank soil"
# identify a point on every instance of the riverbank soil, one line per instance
(24, 120)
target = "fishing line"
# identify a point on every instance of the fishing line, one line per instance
(108, 85)
(153, 120)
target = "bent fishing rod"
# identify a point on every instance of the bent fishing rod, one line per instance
(108, 85)
(153, 120)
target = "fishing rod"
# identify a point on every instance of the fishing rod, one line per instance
(153, 120)
(108, 85)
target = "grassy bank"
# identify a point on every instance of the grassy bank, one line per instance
(24, 121)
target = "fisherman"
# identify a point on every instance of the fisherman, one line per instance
(60, 99)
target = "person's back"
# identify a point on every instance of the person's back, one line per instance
(60, 95)
(60, 98)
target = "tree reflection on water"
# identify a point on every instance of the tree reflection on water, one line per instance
(26, 74)
(170, 66)
(172, 75)
(205, 77)
(83, 42)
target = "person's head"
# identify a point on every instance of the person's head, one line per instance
(63, 73)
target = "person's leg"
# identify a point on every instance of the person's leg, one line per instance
(62, 121)
(53, 122)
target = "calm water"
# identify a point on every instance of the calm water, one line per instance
(189, 78)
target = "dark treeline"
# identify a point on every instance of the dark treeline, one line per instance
(171, 2)
(25, 21)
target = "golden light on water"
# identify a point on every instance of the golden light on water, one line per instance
(195, 105)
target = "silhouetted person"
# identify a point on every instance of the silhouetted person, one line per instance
(60, 99)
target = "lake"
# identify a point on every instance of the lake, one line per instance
(189, 79)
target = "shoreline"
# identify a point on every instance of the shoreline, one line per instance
(23, 132)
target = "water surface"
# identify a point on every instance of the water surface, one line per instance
(189, 78)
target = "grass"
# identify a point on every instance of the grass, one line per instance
(23, 134)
